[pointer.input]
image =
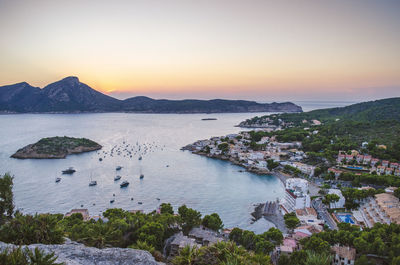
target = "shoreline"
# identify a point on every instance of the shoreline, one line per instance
(275, 173)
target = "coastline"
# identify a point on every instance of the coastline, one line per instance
(275, 173)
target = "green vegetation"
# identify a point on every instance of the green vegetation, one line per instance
(58, 144)
(381, 180)
(261, 244)
(382, 240)
(19, 256)
(220, 253)
(291, 220)
(353, 196)
(32, 229)
(224, 147)
(213, 222)
(6, 198)
(330, 198)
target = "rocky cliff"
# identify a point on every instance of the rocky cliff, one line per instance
(72, 253)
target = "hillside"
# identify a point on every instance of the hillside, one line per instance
(69, 95)
(378, 110)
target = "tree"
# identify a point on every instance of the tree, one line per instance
(6, 198)
(189, 218)
(363, 260)
(271, 164)
(317, 245)
(291, 220)
(330, 198)
(166, 208)
(314, 258)
(213, 222)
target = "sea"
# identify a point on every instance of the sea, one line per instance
(170, 175)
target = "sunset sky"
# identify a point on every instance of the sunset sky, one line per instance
(261, 50)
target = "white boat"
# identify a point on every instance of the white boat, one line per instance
(93, 183)
(124, 184)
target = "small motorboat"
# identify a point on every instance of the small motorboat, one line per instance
(118, 168)
(100, 159)
(140, 202)
(112, 201)
(58, 180)
(93, 183)
(140, 158)
(124, 184)
(69, 171)
(117, 178)
(141, 176)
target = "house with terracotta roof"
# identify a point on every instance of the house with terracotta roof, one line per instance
(359, 159)
(397, 172)
(380, 170)
(389, 171)
(385, 163)
(341, 157)
(308, 216)
(344, 255)
(349, 158)
(394, 165)
(374, 161)
(367, 159)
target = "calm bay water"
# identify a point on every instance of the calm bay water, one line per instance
(204, 184)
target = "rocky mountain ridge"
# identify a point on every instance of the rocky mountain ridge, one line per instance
(69, 95)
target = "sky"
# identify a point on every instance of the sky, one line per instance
(250, 49)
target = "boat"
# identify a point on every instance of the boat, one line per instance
(124, 184)
(69, 171)
(58, 179)
(118, 168)
(141, 176)
(140, 202)
(93, 183)
(140, 158)
(117, 178)
(111, 201)
(209, 119)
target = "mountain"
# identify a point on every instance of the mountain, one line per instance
(145, 104)
(70, 95)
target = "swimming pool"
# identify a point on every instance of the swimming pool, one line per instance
(345, 218)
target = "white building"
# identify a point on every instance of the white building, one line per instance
(294, 183)
(296, 195)
(340, 203)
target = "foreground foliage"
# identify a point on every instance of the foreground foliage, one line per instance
(19, 256)
(220, 253)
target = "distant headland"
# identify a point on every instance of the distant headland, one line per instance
(56, 147)
(69, 95)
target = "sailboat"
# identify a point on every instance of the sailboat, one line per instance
(92, 182)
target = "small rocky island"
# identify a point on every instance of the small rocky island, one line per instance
(56, 147)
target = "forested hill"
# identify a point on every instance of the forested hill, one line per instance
(378, 110)
(384, 109)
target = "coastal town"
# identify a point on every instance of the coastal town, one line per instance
(318, 203)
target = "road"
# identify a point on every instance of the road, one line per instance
(324, 214)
